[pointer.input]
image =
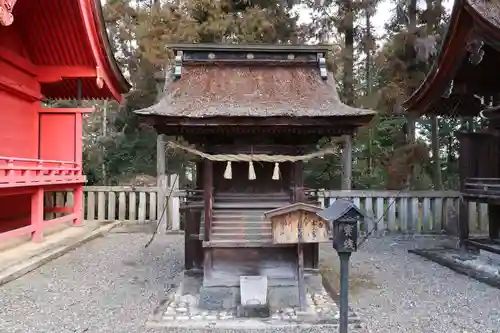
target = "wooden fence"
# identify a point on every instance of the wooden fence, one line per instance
(387, 211)
(411, 212)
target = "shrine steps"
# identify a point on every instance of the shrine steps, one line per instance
(238, 219)
(249, 205)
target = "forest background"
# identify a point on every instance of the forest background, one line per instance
(381, 52)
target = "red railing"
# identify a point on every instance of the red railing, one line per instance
(16, 172)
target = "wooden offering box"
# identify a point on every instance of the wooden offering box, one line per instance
(286, 222)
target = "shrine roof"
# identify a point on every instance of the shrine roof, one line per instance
(69, 40)
(251, 81)
(472, 22)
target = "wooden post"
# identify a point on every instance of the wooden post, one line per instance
(78, 206)
(463, 225)
(208, 203)
(298, 181)
(208, 196)
(300, 255)
(161, 162)
(173, 203)
(493, 221)
(161, 179)
(346, 162)
(37, 215)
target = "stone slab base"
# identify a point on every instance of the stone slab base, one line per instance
(181, 310)
(253, 311)
(473, 265)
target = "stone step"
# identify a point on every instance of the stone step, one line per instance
(237, 225)
(239, 211)
(251, 195)
(256, 217)
(261, 237)
(279, 200)
(248, 205)
(248, 223)
(221, 243)
(241, 230)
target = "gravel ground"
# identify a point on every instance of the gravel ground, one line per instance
(394, 291)
(112, 284)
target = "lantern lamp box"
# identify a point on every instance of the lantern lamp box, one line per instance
(343, 217)
(285, 224)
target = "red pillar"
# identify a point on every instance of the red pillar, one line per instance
(78, 206)
(37, 215)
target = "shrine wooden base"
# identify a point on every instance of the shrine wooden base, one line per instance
(224, 266)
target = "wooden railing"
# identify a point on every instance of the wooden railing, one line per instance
(25, 172)
(482, 187)
(411, 212)
(387, 211)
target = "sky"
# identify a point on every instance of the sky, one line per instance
(384, 11)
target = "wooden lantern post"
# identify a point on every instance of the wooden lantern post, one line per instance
(343, 215)
(298, 223)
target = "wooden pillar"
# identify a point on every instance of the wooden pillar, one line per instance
(193, 246)
(161, 161)
(346, 183)
(173, 203)
(464, 172)
(208, 203)
(298, 182)
(307, 253)
(198, 252)
(37, 215)
(463, 222)
(494, 221)
(78, 206)
(208, 196)
(161, 180)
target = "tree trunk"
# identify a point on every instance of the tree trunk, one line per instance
(436, 160)
(412, 27)
(348, 79)
(368, 35)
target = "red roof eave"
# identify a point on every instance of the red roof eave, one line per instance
(450, 57)
(480, 21)
(101, 50)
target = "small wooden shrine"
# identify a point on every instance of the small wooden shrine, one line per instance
(49, 50)
(252, 115)
(463, 83)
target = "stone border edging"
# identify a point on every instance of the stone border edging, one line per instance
(30, 264)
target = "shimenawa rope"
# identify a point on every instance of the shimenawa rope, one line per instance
(250, 158)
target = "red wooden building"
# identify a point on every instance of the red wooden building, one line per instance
(49, 50)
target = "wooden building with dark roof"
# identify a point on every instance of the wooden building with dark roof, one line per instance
(463, 82)
(252, 113)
